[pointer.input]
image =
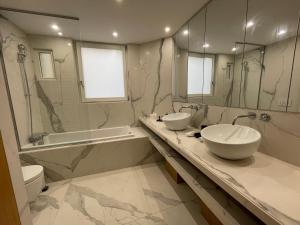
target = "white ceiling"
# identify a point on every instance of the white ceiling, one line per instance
(136, 21)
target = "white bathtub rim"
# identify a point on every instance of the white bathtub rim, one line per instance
(137, 133)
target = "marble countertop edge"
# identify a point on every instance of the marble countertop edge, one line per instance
(267, 213)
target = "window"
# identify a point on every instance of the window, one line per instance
(46, 64)
(200, 75)
(102, 70)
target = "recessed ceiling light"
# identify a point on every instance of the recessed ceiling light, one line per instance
(115, 34)
(119, 1)
(234, 49)
(60, 33)
(206, 45)
(185, 32)
(281, 32)
(69, 44)
(54, 27)
(250, 24)
(167, 29)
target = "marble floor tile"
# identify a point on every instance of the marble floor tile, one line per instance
(160, 190)
(44, 209)
(138, 195)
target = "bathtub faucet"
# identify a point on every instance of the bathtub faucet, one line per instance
(37, 138)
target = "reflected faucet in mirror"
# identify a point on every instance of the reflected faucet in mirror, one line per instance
(193, 106)
(250, 115)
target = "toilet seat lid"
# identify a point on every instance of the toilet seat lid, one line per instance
(30, 173)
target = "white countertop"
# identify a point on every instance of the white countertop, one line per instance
(266, 186)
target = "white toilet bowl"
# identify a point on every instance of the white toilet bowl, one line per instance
(34, 180)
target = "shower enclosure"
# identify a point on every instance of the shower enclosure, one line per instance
(42, 74)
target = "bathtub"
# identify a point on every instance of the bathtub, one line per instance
(81, 137)
(74, 154)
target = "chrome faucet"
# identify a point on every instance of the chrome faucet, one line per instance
(37, 138)
(250, 115)
(195, 107)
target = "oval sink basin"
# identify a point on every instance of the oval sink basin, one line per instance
(177, 121)
(231, 141)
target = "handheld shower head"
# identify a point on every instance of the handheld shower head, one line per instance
(21, 53)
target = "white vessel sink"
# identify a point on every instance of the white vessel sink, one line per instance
(177, 121)
(231, 141)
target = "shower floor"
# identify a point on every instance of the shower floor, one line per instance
(142, 195)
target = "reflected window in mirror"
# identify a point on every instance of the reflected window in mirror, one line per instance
(46, 64)
(200, 74)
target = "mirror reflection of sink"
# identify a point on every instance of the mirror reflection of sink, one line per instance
(177, 121)
(231, 141)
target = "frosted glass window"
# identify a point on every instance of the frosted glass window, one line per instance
(103, 73)
(47, 65)
(199, 83)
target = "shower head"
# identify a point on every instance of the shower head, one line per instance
(21, 47)
(21, 53)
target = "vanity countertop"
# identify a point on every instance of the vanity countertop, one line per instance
(266, 186)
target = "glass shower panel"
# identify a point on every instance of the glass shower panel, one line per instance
(42, 75)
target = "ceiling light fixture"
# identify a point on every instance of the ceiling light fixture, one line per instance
(54, 27)
(281, 32)
(167, 29)
(206, 45)
(185, 32)
(250, 24)
(234, 49)
(69, 44)
(60, 33)
(115, 34)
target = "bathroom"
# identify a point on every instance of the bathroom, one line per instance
(149, 112)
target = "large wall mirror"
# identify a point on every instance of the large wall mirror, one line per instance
(240, 53)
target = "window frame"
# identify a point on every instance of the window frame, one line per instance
(212, 84)
(80, 45)
(37, 52)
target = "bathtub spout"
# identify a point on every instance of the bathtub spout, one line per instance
(37, 138)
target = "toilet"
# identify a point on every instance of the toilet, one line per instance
(34, 180)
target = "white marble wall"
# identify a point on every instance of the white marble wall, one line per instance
(11, 152)
(149, 76)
